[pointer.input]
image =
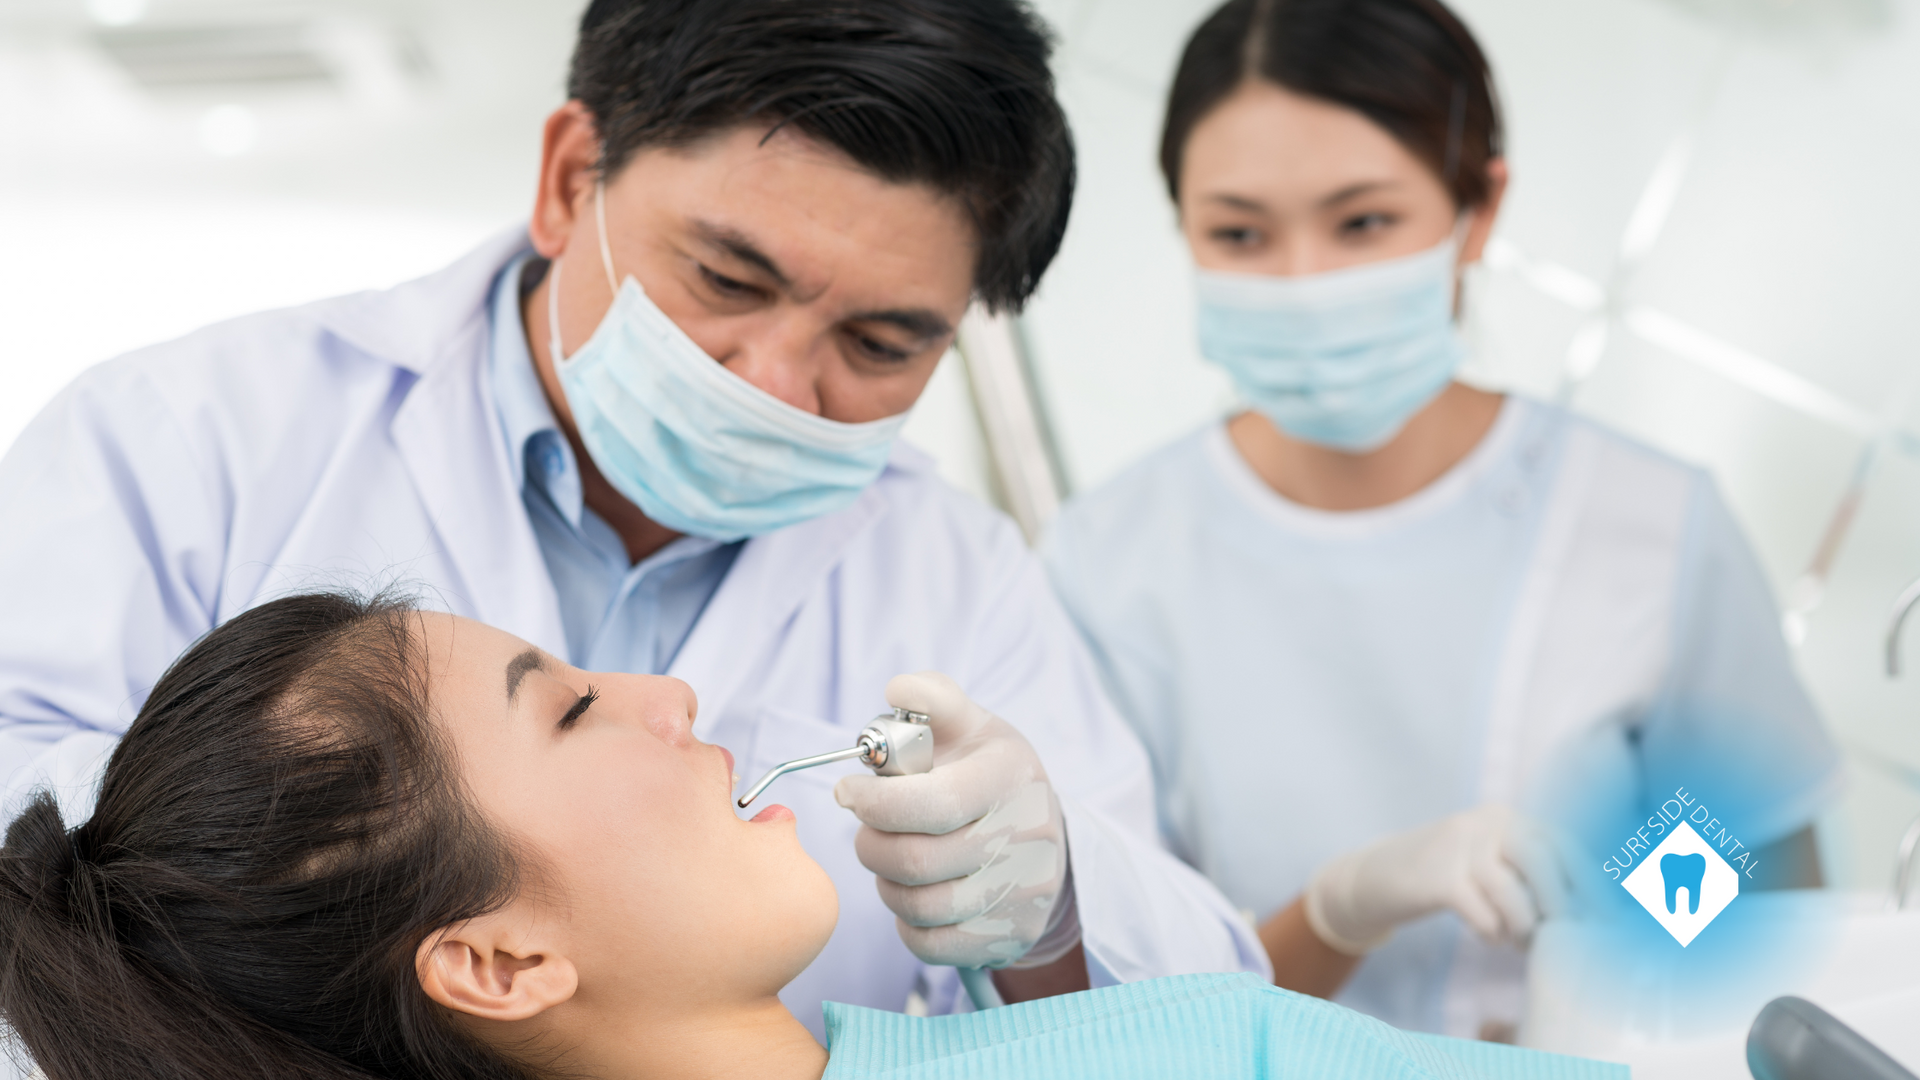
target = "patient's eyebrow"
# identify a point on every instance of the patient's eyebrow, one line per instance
(517, 668)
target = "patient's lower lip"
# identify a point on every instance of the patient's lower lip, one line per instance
(776, 812)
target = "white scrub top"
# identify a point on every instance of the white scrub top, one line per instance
(1307, 681)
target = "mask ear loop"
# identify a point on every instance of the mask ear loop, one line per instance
(553, 314)
(1462, 225)
(606, 252)
(553, 280)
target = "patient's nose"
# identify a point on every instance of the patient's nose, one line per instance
(667, 704)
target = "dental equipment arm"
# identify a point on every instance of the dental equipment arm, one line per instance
(1498, 871)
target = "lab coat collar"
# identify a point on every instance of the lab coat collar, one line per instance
(411, 325)
(448, 433)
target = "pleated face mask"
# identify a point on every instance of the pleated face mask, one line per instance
(1342, 359)
(694, 446)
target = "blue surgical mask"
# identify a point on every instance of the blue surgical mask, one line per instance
(1342, 359)
(697, 448)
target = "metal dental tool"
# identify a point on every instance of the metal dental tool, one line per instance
(894, 744)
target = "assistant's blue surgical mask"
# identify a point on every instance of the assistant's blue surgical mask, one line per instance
(694, 446)
(1342, 359)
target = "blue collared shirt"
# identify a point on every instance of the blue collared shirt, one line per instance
(618, 615)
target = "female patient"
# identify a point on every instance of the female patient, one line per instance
(345, 839)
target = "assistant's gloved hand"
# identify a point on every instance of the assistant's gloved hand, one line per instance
(1500, 872)
(972, 855)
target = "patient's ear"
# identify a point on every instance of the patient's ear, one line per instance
(496, 968)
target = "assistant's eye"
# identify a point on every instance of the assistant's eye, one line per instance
(1237, 236)
(1360, 226)
(579, 709)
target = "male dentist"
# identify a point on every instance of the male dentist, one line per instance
(655, 432)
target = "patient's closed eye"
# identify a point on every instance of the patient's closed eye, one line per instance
(579, 708)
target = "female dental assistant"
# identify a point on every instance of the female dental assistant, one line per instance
(654, 432)
(1360, 623)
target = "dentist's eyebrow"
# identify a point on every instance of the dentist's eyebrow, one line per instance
(919, 322)
(737, 244)
(519, 666)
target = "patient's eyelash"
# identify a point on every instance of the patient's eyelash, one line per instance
(587, 699)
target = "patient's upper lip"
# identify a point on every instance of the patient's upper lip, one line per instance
(732, 774)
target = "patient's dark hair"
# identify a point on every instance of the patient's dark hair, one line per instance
(278, 832)
(955, 94)
(1410, 66)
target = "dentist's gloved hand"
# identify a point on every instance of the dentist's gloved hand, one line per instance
(1500, 872)
(971, 855)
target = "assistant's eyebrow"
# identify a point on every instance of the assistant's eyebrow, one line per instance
(1356, 190)
(519, 666)
(1238, 202)
(740, 246)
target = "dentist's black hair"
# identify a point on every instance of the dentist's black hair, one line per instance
(1410, 66)
(955, 94)
(276, 835)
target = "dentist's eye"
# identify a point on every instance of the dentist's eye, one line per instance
(880, 350)
(579, 709)
(726, 286)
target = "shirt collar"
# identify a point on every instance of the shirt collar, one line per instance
(526, 419)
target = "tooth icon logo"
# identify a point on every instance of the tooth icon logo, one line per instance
(1683, 864)
(1683, 872)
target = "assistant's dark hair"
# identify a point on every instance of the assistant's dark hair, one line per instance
(276, 835)
(1410, 66)
(955, 94)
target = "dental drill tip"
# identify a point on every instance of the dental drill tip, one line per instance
(753, 792)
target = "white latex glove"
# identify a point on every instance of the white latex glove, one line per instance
(1500, 872)
(971, 855)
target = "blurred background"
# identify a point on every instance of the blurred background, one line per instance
(1709, 244)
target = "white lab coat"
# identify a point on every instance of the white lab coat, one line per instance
(355, 442)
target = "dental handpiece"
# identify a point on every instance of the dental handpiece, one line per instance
(899, 743)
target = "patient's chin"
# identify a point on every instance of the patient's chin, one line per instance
(813, 906)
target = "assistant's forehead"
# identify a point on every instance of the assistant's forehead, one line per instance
(1262, 128)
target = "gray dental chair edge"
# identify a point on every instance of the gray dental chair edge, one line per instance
(1794, 1039)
